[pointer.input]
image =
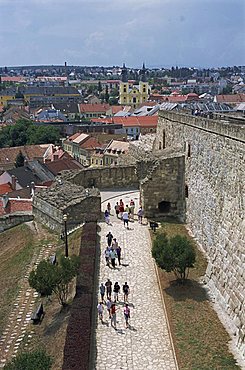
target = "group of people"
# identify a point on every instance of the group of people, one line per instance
(125, 213)
(106, 290)
(112, 251)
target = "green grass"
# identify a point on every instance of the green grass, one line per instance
(199, 337)
(20, 243)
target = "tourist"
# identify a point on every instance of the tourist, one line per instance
(108, 207)
(113, 316)
(113, 256)
(107, 217)
(114, 243)
(100, 311)
(117, 209)
(121, 208)
(102, 292)
(140, 215)
(125, 292)
(108, 286)
(116, 291)
(108, 306)
(107, 255)
(132, 207)
(126, 312)
(125, 219)
(119, 251)
(109, 237)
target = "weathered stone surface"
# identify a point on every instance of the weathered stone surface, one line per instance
(78, 203)
(215, 177)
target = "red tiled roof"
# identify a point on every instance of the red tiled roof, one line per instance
(230, 98)
(12, 79)
(93, 108)
(5, 188)
(63, 164)
(132, 121)
(8, 155)
(15, 205)
(90, 143)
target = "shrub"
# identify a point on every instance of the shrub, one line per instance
(38, 360)
(175, 254)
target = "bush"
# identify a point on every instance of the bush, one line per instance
(48, 278)
(38, 360)
(175, 254)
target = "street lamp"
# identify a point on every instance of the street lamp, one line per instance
(66, 240)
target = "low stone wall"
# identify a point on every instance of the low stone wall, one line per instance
(79, 336)
(14, 219)
(80, 205)
(102, 178)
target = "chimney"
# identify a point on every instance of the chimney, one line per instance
(5, 200)
(32, 189)
(13, 178)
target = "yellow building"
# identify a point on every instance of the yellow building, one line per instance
(5, 96)
(133, 95)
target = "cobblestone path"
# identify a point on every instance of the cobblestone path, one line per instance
(20, 313)
(146, 344)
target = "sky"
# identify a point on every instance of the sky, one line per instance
(161, 33)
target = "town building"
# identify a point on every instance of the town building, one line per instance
(132, 94)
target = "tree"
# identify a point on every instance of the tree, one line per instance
(48, 279)
(19, 160)
(38, 360)
(175, 254)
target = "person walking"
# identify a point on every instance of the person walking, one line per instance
(121, 208)
(132, 207)
(102, 292)
(108, 207)
(116, 291)
(113, 256)
(114, 243)
(140, 215)
(107, 255)
(125, 292)
(125, 219)
(100, 309)
(108, 286)
(114, 316)
(119, 251)
(108, 306)
(109, 237)
(117, 209)
(126, 312)
(107, 217)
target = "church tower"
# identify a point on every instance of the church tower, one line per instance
(124, 87)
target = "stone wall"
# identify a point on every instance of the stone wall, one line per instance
(215, 201)
(164, 185)
(78, 203)
(102, 178)
(10, 220)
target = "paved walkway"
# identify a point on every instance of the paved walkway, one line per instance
(146, 344)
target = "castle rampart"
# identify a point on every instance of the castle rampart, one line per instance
(214, 152)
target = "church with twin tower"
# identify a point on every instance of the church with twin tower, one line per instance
(131, 94)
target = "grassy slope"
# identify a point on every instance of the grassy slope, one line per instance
(199, 337)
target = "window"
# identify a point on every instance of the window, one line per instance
(124, 90)
(186, 191)
(134, 100)
(160, 145)
(189, 150)
(144, 90)
(96, 161)
(164, 207)
(101, 162)
(163, 140)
